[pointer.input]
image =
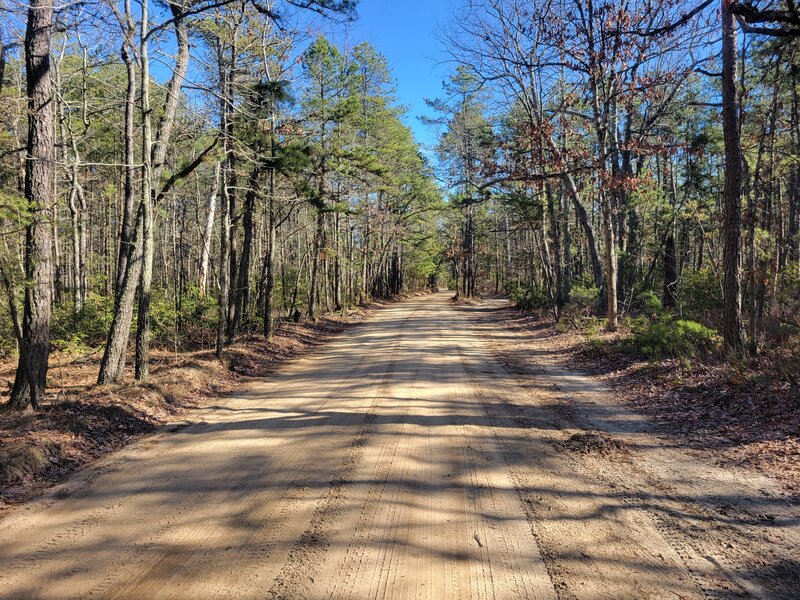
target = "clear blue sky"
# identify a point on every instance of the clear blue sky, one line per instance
(405, 32)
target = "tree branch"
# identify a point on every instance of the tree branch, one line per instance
(185, 171)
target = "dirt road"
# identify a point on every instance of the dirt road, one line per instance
(410, 458)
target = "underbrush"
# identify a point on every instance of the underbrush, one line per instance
(650, 332)
(669, 337)
(78, 332)
(581, 308)
(188, 325)
(526, 297)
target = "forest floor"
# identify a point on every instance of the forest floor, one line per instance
(80, 422)
(433, 451)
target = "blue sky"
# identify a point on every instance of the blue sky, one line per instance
(405, 32)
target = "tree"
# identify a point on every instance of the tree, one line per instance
(328, 106)
(732, 320)
(466, 154)
(139, 270)
(34, 338)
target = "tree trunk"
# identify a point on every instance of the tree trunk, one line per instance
(269, 284)
(312, 292)
(2, 64)
(669, 296)
(557, 255)
(668, 299)
(364, 264)
(242, 291)
(78, 264)
(583, 219)
(731, 196)
(222, 303)
(468, 251)
(611, 262)
(566, 250)
(337, 266)
(208, 232)
(140, 270)
(141, 366)
(155, 152)
(112, 365)
(31, 375)
(147, 223)
(128, 156)
(793, 228)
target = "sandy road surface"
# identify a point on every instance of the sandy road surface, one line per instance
(403, 460)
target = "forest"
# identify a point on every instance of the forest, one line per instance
(372, 299)
(203, 168)
(180, 174)
(607, 155)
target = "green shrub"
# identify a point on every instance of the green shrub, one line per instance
(636, 322)
(197, 313)
(8, 341)
(198, 309)
(649, 303)
(788, 297)
(527, 298)
(596, 345)
(581, 307)
(676, 338)
(782, 322)
(700, 291)
(584, 299)
(592, 325)
(78, 332)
